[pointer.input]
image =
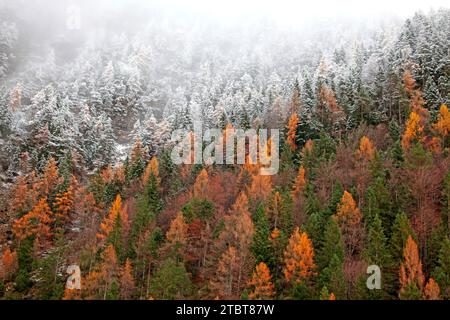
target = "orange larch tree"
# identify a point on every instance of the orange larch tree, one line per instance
(261, 284)
(98, 283)
(300, 184)
(292, 132)
(299, 263)
(35, 223)
(349, 218)
(442, 126)
(226, 281)
(151, 169)
(201, 185)
(366, 149)
(127, 285)
(64, 204)
(114, 225)
(237, 234)
(273, 209)
(431, 290)
(260, 188)
(8, 264)
(178, 231)
(413, 132)
(411, 275)
(50, 179)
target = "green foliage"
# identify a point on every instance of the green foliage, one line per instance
(261, 246)
(51, 281)
(378, 203)
(330, 260)
(171, 281)
(198, 209)
(442, 271)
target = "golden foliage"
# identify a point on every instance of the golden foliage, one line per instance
(109, 221)
(261, 283)
(348, 214)
(411, 269)
(299, 258)
(366, 149)
(151, 169)
(413, 132)
(178, 231)
(8, 264)
(300, 183)
(292, 131)
(442, 126)
(36, 222)
(201, 185)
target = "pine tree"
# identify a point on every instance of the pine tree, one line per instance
(330, 260)
(279, 212)
(261, 283)
(442, 271)
(261, 245)
(149, 205)
(376, 253)
(171, 281)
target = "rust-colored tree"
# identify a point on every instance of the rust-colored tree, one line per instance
(201, 185)
(114, 226)
(299, 263)
(292, 132)
(300, 184)
(431, 290)
(366, 149)
(36, 223)
(414, 131)
(261, 284)
(50, 179)
(151, 169)
(64, 204)
(177, 235)
(127, 285)
(348, 217)
(442, 126)
(99, 283)
(8, 264)
(237, 234)
(411, 275)
(260, 188)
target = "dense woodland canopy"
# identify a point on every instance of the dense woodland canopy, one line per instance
(87, 178)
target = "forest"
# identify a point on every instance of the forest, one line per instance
(87, 179)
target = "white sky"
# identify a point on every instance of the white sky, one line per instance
(303, 9)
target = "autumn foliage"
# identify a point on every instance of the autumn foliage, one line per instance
(261, 283)
(299, 263)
